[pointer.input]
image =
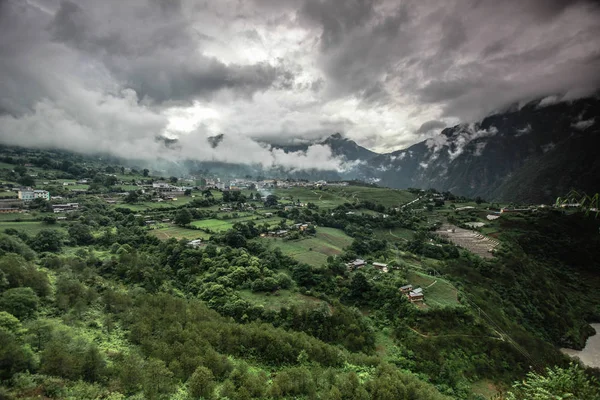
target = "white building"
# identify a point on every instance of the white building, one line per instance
(161, 187)
(195, 243)
(30, 194)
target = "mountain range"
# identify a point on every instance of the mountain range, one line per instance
(530, 153)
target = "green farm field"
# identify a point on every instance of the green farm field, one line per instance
(152, 205)
(17, 217)
(322, 198)
(217, 225)
(8, 195)
(438, 292)
(29, 227)
(315, 250)
(178, 232)
(384, 196)
(395, 234)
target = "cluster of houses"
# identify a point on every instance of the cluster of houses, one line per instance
(166, 191)
(359, 263)
(284, 232)
(10, 206)
(195, 243)
(414, 295)
(65, 208)
(301, 227)
(239, 207)
(279, 233)
(239, 184)
(29, 194)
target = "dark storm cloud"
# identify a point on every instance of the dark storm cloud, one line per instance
(438, 91)
(468, 58)
(337, 17)
(431, 125)
(159, 56)
(87, 74)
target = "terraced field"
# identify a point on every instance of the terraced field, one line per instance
(216, 225)
(438, 292)
(384, 196)
(29, 227)
(315, 250)
(178, 232)
(322, 198)
(473, 241)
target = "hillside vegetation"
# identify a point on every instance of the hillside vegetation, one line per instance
(114, 302)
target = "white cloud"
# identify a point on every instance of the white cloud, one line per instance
(113, 75)
(523, 131)
(583, 125)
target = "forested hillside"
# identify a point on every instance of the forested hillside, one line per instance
(114, 300)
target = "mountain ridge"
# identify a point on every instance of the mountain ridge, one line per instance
(536, 145)
(529, 153)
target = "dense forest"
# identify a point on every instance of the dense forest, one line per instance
(96, 306)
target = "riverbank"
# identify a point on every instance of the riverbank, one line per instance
(590, 354)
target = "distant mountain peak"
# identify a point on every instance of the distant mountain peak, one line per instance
(215, 140)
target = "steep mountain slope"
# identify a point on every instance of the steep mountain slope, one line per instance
(340, 147)
(530, 154)
(347, 148)
(526, 154)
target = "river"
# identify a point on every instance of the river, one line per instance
(590, 355)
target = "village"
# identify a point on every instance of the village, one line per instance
(266, 202)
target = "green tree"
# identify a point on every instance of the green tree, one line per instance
(359, 286)
(26, 180)
(132, 197)
(145, 172)
(11, 324)
(271, 200)
(47, 240)
(93, 364)
(39, 204)
(80, 234)
(19, 272)
(14, 356)
(556, 384)
(21, 302)
(201, 383)
(183, 217)
(158, 380)
(13, 244)
(49, 219)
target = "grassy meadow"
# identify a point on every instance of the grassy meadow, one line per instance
(314, 250)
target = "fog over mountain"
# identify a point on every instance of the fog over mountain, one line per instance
(111, 76)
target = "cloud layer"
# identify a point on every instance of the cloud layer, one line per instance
(113, 75)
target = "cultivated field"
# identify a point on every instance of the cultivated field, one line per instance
(473, 241)
(438, 292)
(17, 217)
(384, 196)
(395, 234)
(315, 250)
(322, 198)
(178, 232)
(215, 225)
(29, 227)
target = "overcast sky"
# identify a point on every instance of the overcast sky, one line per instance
(112, 75)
